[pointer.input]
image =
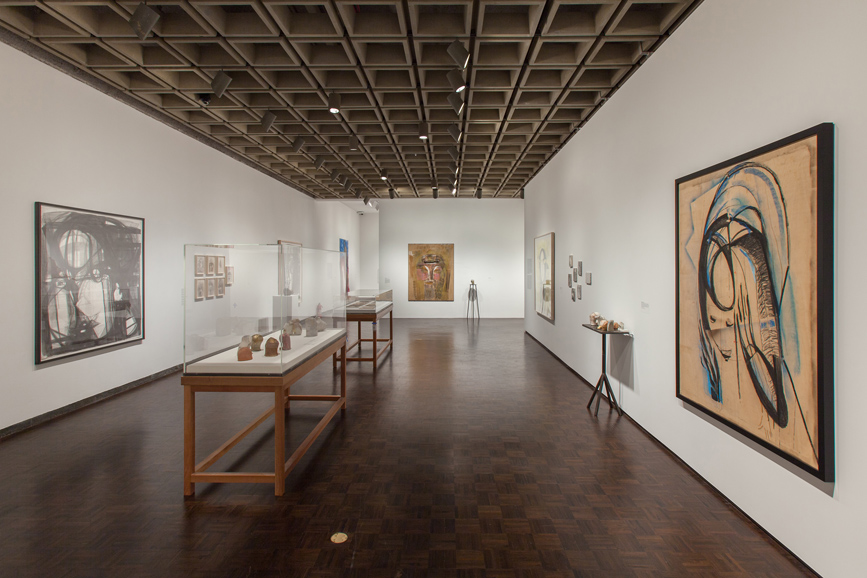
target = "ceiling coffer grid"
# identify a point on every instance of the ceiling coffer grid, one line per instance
(537, 71)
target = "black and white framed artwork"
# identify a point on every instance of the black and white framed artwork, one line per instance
(89, 281)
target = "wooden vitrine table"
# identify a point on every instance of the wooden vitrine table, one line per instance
(305, 359)
(603, 382)
(372, 312)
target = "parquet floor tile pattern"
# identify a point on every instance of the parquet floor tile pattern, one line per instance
(470, 453)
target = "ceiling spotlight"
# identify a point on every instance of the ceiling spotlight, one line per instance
(220, 83)
(436, 193)
(456, 132)
(453, 167)
(357, 194)
(366, 201)
(422, 130)
(319, 162)
(384, 175)
(334, 103)
(460, 55)
(344, 180)
(456, 79)
(335, 176)
(390, 193)
(347, 186)
(453, 152)
(143, 20)
(455, 190)
(522, 192)
(299, 142)
(267, 120)
(353, 143)
(479, 193)
(457, 102)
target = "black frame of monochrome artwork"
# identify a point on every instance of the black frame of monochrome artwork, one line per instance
(824, 271)
(39, 313)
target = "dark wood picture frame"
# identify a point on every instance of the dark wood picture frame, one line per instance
(761, 226)
(89, 260)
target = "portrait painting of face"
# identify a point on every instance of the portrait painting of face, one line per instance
(749, 305)
(431, 272)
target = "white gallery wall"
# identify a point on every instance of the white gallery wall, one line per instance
(737, 75)
(489, 248)
(65, 143)
(368, 252)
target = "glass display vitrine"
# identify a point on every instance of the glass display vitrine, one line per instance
(368, 300)
(239, 293)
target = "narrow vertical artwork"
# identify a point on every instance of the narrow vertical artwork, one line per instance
(90, 281)
(344, 262)
(543, 267)
(754, 296)
(431, 272)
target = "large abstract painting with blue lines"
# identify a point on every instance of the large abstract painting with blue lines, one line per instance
(747, 297)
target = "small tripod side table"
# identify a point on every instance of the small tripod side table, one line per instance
(603, 379)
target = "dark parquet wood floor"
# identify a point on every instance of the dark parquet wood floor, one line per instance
(471, 453)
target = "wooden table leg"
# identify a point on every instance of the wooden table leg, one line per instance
(375, 347)
(391, 329)
(359, 339)
(343, 376)
(189, 440)
(279, 443)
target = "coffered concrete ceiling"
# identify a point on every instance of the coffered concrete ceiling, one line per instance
(538, 69)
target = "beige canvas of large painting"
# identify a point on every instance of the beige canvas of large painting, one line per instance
(431, 272)
(747, 313)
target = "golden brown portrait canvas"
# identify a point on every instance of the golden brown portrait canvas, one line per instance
(754, 274)
(431, 272)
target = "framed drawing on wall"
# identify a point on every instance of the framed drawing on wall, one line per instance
(90, 281)
(200, 289)
(230, 275)
(212, 265)
(431, 272)
(221, 286)
(221, 265)
(200, 265)
(543, 265)
(755, 296)
(212, 287)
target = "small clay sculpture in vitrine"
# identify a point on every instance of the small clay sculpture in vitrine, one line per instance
(296, 327)
(272, 347)
(257, 342)
(284, 336)
(244, 351)
(312, 327)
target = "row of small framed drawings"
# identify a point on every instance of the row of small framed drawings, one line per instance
(210, 288)
(214, 266)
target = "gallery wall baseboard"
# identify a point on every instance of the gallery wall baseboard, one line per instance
(67, 409)
(684, 465)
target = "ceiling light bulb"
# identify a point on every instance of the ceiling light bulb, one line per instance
(456, 79)
(353, 143)
(422, 130)
(457, 102)
(459, 54)
(143, 20)
(334, 103)
(383, 175)
(455, 190)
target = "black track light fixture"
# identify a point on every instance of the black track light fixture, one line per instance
(479, 193)
(459, 54)
(383, 175)
(268, 121)
(299, 142)
(522, 192)
(436, 193)
(334, 103)
(453, 152)
(422, 131)
(456, 132)
(320, 160)
(220, 83)
(457, 102)
(353, 143)
(143, 20)
(456, 79)
(391, 193)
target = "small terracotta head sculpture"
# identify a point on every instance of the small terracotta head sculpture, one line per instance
(272, 347)
(257, 342)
